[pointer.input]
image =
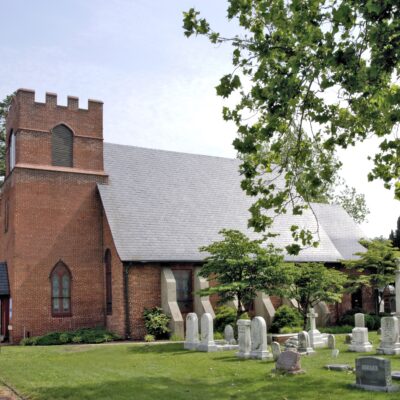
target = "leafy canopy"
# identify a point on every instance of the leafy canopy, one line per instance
(4, 107)
(241, 267)
(313, 77)
(311, 283)
(376, 265)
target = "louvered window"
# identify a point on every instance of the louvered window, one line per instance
(61, 146)
(12, 151)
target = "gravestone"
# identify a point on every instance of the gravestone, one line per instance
(374, 373)
(244, 338)
(192, 332)
(276, 350)
(338, 367)
(259, 347)
(359, 320)
(289, 362)
(316, 338)
(331, 341)
(229, 335)
(335, 353)
(304, 346)
(389, 343)
(207, 334)
(359, 342)
(348, 338)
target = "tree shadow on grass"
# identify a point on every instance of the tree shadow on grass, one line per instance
(227, 387)
(175, 348)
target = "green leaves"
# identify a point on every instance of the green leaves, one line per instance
(4, 107)
(319, 77)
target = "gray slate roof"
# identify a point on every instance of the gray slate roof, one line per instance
(163, 205)
(4, 286)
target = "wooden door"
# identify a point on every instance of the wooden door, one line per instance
(4, 315)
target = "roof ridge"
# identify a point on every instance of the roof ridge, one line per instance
(170, 151)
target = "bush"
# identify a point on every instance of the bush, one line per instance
(86, 335)
(245, 315)
(176, 338)
(290, 329)
(149, 338)
(218, 336)
(224, 315)
(348, 317)
(372, 321)
(335, 330)
(286, 317)
(156, 322)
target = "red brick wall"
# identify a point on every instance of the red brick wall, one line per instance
(32, 123)
(115, 321)
(144, 292)
(54, 214)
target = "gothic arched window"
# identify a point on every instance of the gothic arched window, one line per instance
(60, 290)
(62, 146)
(107, 261)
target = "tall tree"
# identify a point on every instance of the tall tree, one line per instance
(4, 107)
(240, 268)
(313, 77)
(394, 237)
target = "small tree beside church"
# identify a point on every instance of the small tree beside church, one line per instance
(240, 268)
(311, 283)
(376, 266)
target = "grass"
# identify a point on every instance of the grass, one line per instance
(166, 371)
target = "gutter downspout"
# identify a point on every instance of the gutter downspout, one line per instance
(126, 300)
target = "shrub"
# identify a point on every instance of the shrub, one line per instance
(286, 316)
(218, 336)
(156, 322)
(86, 335)
(347, 318)
(336, 329)
(176, 338)
(372, 322)
(290, 329)
(245, 315)
(224, 315)
(149, 338)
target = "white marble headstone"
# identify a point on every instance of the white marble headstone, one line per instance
(259, 347)
(229, 335)
(244, 338)
(207, 334)
(359, 320)
(389, 343)
(192, 332)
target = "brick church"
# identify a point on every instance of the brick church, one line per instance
(92, 233)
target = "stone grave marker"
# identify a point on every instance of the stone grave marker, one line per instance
(259, 347)
(207, 334)
(374, 373)
(304, 346)
(276, 350)
(229, 335)
(338, 367)
(359, 342)
(359, 320)
(289, 362)
(335, 353)
(244, 338)
(331, 341)
(389, 343)
(192, 332)
(316, 338)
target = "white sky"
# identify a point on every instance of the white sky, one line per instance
(157, 85)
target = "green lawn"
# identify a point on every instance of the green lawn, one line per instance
(165, 371)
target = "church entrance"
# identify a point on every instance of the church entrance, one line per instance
(4, 317)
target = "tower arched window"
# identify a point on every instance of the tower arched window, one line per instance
(107, 261)
(11, 152)
(62, 146)
(60, 290)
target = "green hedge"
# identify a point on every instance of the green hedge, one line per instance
(85, 335)
(286, 317)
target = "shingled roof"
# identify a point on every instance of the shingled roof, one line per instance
(163, 205)
(4, 285)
